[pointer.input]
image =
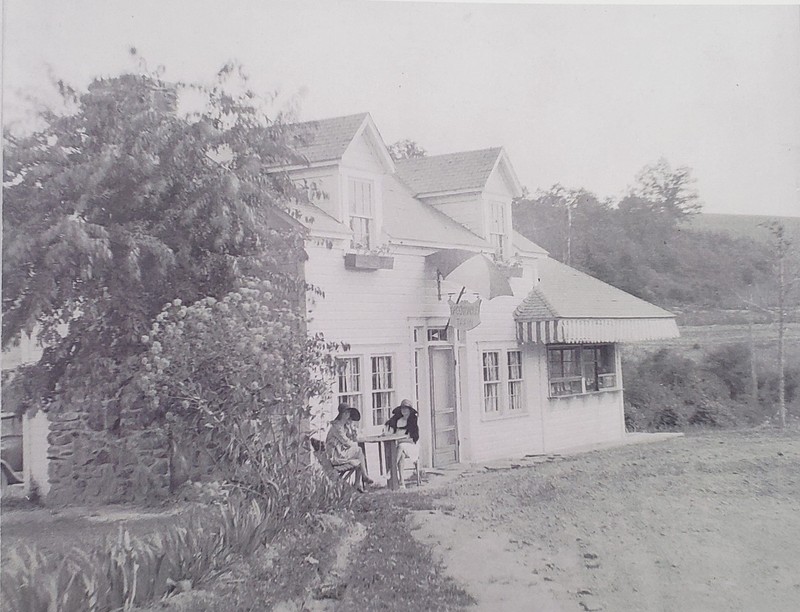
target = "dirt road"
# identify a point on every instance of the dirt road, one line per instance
(701, 523)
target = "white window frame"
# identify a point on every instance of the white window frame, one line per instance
(515, 381)
(352, 397)
(497, 228)
(362, 216)
(587, 376)
(381, 408)
(499, 379)
(368, 398)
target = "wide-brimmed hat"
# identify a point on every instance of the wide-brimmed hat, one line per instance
(404, 404)
(355, 415)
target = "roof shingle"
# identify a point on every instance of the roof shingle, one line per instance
(566, 293)
(407, 219)
(450, 172)
(325, 139)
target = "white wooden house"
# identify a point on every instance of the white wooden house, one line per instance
(541, 372)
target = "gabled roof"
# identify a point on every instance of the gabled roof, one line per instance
(571, 307)
(523, 245)
(325, 139)
(567, 293)
(406, 219)
(465, 171)
(317, 220)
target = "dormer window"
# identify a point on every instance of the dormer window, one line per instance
(362, 212)
(497, 229)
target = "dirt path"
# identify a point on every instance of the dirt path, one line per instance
(700, 523)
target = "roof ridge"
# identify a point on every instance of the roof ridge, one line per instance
(419, 159)
(349, 116)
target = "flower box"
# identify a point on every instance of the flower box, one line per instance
(360, 261)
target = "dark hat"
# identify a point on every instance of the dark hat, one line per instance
(404, 404)
(355, 415)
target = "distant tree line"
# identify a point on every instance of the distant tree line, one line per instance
(642, 243)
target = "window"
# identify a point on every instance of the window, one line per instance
(438, 334)
(491, 381)
(361, 212)
(497, 229)
(514, 380)
(348, 374)
(382, 388)
(502, 382)
(581, 369)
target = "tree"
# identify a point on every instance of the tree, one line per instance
(406, 149)
(121, 204)
(666, 192)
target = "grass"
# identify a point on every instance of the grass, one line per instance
(393, 571)
(389, 571)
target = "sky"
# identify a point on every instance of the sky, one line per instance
(579, 95)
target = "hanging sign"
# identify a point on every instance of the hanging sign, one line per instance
(465, 315)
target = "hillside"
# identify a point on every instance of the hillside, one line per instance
(748, 226)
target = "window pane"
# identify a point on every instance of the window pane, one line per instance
(436, 334)
(491, 400)
(514, 365)
(515, 395)
(381, 402)
(566, 387)
(491, 366)
(382, 387)
(348, 374)
(360, 227)
(606, 363)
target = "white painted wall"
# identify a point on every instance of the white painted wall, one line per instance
(466, 209)
(570, 422)
(327, 180)
(361, 155)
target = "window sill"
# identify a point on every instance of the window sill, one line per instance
(587, 394)
(359, 261)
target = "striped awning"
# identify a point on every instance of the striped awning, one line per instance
(575, 331)
(567, 306)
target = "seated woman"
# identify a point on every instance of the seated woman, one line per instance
(342, 448)
(404, 420)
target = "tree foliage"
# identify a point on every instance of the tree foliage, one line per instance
(640, 245)
(406, 149)
(122, 203)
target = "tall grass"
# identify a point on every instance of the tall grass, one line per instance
(127, 571)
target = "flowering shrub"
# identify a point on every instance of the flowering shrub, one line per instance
(233, 379)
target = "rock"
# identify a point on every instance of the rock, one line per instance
(590, 604)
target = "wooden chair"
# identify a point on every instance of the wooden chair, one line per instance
(346, 472)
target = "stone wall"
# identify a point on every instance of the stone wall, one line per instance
(94, 467)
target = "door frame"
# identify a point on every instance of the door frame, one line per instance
(455, 383)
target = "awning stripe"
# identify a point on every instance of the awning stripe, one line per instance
(574, 331)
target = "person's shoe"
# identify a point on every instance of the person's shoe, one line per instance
(367, 480)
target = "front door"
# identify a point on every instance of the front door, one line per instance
(443, 406)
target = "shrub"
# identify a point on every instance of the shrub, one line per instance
(233, 378)
(665, 391)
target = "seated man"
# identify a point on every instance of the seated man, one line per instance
(404, 420)
(343, 450)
